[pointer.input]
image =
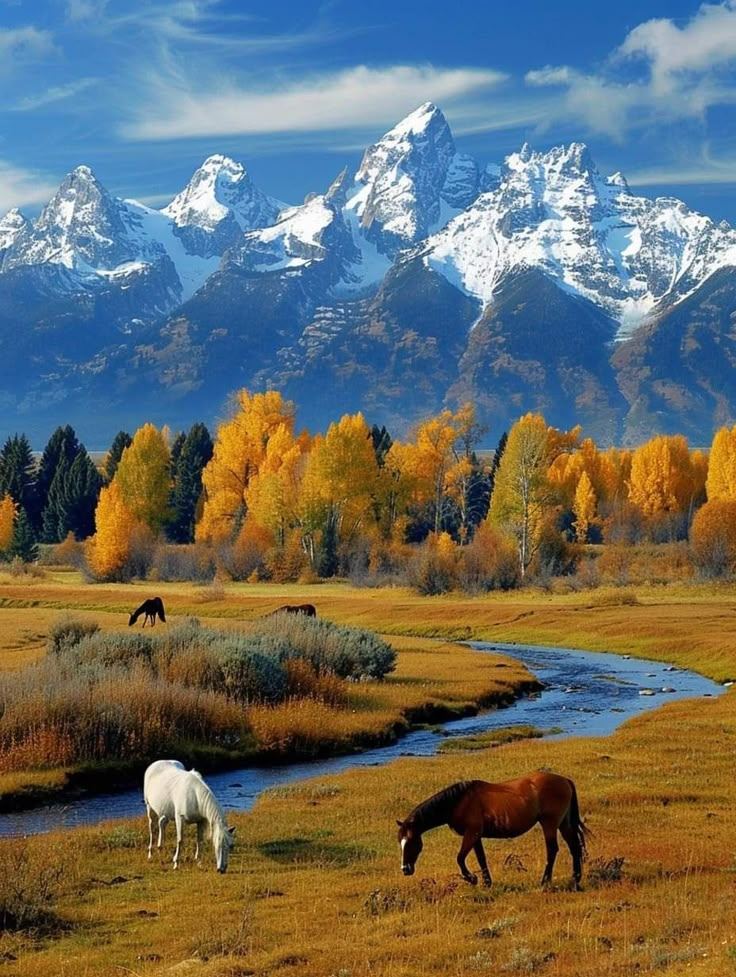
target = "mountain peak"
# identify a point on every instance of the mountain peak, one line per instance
(11, 226)
(418, 121)
(220, 199)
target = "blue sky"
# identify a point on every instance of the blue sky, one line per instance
(143, 90)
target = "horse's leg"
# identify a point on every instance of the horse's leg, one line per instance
(150, 815)
(179, 838)
(200, 839)
(469, 840)
(481, 856)
(573, 843)
(162, 822)
(550, 840)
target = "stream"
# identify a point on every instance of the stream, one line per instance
(585, 694)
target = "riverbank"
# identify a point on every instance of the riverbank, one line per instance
(434, 682)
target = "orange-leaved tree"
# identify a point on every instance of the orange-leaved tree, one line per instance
(583, 507)
(721, 482)
(8, 510)
(109, 549)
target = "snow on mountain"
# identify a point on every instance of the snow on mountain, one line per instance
(11, 226)
(405, 178)
(555, 212)
(218, 204)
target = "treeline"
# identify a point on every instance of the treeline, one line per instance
(264, 501)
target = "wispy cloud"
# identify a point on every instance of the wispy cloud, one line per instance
(660, 74)
(23, 44)
(19, 187)
(359, 96)
(57, 93)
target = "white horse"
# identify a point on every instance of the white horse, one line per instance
(172, 793)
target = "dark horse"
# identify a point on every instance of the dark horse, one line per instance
(308, 610)
(150, 607)
(476, 810)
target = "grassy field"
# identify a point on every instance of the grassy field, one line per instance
(314, 886)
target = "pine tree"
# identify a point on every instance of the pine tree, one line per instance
(18, 472)
(60, 451)
(23, 545)
(189, 455)
(121, 441)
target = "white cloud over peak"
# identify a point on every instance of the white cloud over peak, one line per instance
(19, 187)
(349, 99)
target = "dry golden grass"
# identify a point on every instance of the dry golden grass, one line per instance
(314, 887)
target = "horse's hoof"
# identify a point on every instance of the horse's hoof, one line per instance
(473, 879)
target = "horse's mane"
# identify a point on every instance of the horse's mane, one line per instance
(209, 804)
(437, 809)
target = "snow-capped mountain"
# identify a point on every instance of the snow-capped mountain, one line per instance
(11, 226)
(412, 181)
(629, 255)
(421, 280)
(218, 204)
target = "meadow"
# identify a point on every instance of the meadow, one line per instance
(314, 885)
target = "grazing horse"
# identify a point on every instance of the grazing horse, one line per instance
(476, 809)
(172, 793)
(308, 610)
(150, 607)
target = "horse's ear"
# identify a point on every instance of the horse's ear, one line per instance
(232, 831)
(400, 823)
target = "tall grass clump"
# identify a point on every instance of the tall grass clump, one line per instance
(120, 696)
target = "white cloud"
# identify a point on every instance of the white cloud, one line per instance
(359, 96)
(19, 188)
(661, 74)
(21, 43)
(56, 93)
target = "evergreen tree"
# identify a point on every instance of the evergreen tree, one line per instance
(194, 452)
(23, 545)
(121, 441)
(60, 451)
(382, 442)
(72, 499)
(18, 472)
(327, 561)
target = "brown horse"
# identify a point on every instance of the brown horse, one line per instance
(150, 607)
(308, 610)
(476, 809)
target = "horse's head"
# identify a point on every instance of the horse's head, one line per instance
(410, 839)
(131, 620)
(222, 842)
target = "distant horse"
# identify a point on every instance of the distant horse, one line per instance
(309, 610)
(476, 809)
(172, 793)
(150, 607)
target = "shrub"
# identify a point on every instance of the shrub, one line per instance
(489, 562)
(30, 882)
(67, 632)
(250, 675)
(113, 648)
(195, 561)
(713, 538)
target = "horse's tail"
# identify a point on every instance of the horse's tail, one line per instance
(576, 822)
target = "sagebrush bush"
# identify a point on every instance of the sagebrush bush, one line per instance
(489, 562)
(67, 632)
(30, 883)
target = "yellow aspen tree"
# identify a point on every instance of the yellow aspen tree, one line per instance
(144, 476)
(721, 481)
(108, 550)
(8, 510)
(662, 479)
(583, 507)
(240, 450)
(342, 474)
(429, 459)
(272, 496)
(523, 494)
(395, 488)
